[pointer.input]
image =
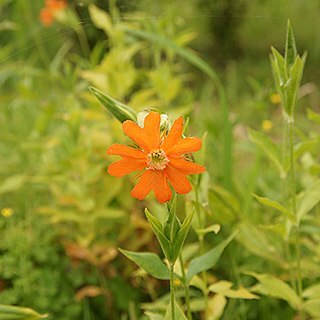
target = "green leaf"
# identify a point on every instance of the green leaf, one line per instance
(209, 259)
(13, 183)
(100, 19)
(215, 228)
(149, 262)
(312, 307)
(314, 116)
(291, 50)
(309, 200)
(19, 313)
(153, 316)
(293, 83)
(117, 109)
(224, 288)
(270, 149)
(278, 68)
(261, 245)
(179, 315)
(157, 229)
(180, 238)
(276, 288)
(224, 206)
(312, 291)
(276, 205)
(172, 224)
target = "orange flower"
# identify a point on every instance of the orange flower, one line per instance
(56, 4)
(160, 158)
(47, 13)
(46, 17)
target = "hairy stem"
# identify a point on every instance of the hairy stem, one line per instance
(292, 185)
(172, 291)
(186, 288)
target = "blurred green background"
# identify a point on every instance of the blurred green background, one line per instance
(62, 217)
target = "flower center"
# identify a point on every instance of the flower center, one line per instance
(157, 160)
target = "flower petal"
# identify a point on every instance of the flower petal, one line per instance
(152, 129)
(178, 180)
(174, 135)
(185, 145)
(137, 134)
(125, 166)
(144, 186)
(161, 187)
(187, 167)
(125, 151)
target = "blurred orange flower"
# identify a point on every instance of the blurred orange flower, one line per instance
(48, 11)
(160, 158)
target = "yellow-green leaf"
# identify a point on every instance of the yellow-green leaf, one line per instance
(275, 205)
(309, 200)
(209, 259)
(19, 313)
(275, 287)
(224, 288)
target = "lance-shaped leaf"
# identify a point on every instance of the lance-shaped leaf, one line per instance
(312, 292)
(314, 116)
(178, 313)
(209, 259)
(172, 224)
(19, 313)
(293, 84)
(13, 183)
(276, 205)
(225, 288)
(270, 149)
(117, 109)
(312, 307)
(309, 200)
(158, 231)
(215, 228)
(100, 19)
(291, 49)
(149, 262)
(278, 69)
(180, 238)
(274, 287)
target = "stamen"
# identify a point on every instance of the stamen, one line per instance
(157, 160)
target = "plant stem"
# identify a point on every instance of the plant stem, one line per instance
(186, 288)
(286, 194)
(202, 224)
(37, 39)
(292, 184)
(172, 291)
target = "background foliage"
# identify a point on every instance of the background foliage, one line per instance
(63, 218)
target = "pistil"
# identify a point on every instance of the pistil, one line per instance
(157, 160)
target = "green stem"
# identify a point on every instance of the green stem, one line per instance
(291, 267)
(83, 41)
(202, 224)
(294, 203)
(186, 288)
(37, 39)
(292, 183)
(172, 291)
(287, 194)
(205, 281)
(292, 173)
